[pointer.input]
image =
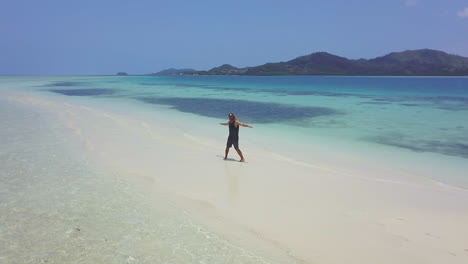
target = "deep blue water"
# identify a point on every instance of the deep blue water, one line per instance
(333, 85)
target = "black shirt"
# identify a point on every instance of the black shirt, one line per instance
(233, 130)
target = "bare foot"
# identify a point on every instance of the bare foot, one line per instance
(225, 158)
(242, 160)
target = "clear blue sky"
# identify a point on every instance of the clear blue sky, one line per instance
(47, 37)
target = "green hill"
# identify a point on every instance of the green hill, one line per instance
(410, 62)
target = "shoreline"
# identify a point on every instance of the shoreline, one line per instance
(319, 212)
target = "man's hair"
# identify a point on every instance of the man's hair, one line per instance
(231, 114)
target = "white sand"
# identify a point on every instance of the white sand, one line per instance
(324, 210)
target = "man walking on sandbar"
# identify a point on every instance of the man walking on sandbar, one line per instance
(233, 138)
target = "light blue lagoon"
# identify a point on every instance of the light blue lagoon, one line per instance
(422, 114)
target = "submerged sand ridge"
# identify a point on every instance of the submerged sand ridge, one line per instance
(58, 206)
(312, 210)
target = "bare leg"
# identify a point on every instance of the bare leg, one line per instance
(226, 152)
(240, 154)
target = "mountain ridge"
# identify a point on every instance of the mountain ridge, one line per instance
(422, 62)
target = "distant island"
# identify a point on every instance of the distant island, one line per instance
(424, 62)
(173, 71)
(122, 74)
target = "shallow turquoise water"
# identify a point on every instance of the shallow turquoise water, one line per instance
(422, 114)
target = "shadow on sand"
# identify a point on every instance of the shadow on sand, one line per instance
(229, 159)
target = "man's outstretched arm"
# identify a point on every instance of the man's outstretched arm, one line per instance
(242, 124)
(224, 124)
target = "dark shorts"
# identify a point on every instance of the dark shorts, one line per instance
(233, 141)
